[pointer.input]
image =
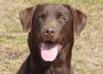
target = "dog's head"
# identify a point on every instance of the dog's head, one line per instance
(52, 26)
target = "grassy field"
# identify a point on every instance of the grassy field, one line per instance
(88, 48)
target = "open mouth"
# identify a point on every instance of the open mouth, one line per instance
(49, 50)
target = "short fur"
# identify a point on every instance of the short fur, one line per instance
(65, 22)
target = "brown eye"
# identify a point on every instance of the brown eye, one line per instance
(42, 16)
(61, 17)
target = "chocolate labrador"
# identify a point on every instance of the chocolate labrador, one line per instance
(51, 36)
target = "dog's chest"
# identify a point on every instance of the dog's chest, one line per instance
(58, 70)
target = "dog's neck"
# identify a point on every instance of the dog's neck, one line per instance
(63, 58)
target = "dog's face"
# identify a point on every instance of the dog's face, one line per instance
(53, 25)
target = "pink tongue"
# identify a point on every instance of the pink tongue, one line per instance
(49, 53)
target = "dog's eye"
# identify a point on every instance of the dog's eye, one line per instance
(62, 18)
(41, 16)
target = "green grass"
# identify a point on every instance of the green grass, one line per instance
(88, 48)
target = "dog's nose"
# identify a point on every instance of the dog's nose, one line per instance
(49, 31)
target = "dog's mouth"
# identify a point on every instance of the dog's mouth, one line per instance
(49, 50)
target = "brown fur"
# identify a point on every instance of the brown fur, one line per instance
(62, 22)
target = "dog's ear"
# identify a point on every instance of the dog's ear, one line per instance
(26, 18)
(79, 19)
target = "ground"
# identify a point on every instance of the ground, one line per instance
(87, 50)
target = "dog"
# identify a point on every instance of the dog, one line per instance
(51, 28)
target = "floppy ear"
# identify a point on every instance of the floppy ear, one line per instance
(79, 20)
(26, 17)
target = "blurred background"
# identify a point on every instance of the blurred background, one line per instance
(88, 48)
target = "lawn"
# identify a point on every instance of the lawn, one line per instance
(87, 50)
